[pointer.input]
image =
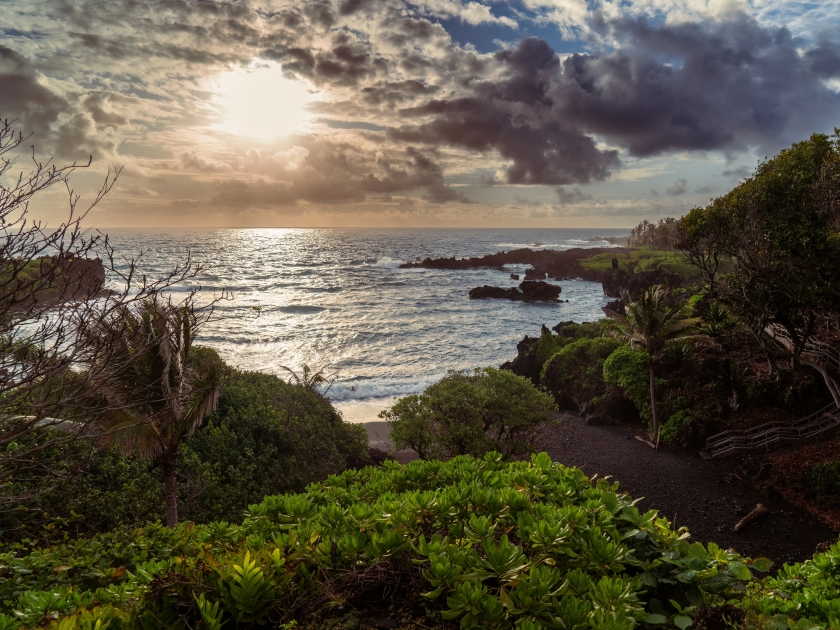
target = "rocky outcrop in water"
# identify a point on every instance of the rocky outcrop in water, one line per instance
(535, 273)
(528, 291)
(539, 291)
(481, 293)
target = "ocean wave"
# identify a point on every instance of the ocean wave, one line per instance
(380, 390)
(387, 262)
(300, 309)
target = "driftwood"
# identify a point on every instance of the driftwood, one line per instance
(644, 441)
(756, 514)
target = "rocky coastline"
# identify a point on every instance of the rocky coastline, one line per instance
(554, 265)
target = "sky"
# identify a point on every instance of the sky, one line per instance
(431, 113)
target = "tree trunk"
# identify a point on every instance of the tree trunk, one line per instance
(830, 382)
(169, 489)
(817, 364)
(653, 405)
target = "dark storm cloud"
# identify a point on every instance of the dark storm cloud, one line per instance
(824, 61)
(698, 87)
(513, 116)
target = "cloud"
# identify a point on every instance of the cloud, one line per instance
(137, 191)
(471, 12)
(403, 106)
(742, 172)
(704, 190)
(203, 163)
(679, 187)
(23, 95)
(571, 197)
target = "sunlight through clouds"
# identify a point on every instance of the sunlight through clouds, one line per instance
(259, 102)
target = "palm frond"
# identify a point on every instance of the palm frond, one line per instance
(132, 433)
(202, 400)
(614, 314)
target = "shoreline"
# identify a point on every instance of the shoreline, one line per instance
(364, 410)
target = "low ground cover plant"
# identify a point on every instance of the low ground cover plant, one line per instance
(802, 595)
(470, 543)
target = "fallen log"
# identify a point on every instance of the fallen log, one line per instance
(644, 441)
(756, 514)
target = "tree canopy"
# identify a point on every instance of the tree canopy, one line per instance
(769, 248)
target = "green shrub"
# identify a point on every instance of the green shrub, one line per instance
(89, 489)
(267, 437)
(823, 480)
(480, 542)
(578, 368)
(676, 422)
(628, 369)
(470, 413)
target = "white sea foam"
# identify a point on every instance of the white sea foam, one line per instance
(388, 263)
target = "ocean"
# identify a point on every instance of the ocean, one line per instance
(336, 299)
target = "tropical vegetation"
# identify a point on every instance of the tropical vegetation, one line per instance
(649, 324)
(475, 543)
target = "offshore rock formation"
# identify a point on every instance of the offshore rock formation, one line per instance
(528, 291)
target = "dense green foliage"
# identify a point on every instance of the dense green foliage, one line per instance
(549, 343)
(823, 481)
(470, 413)
(266, 437)
(628, 369)
(489, 544)
(578, 367)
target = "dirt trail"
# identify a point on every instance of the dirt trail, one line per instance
(704, 495)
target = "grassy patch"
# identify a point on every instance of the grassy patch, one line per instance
(643, 259)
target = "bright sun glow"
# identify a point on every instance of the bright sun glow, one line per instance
(259, 102)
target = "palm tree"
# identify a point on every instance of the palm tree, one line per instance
(166, 391)
(650, 325)
(310, 378)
